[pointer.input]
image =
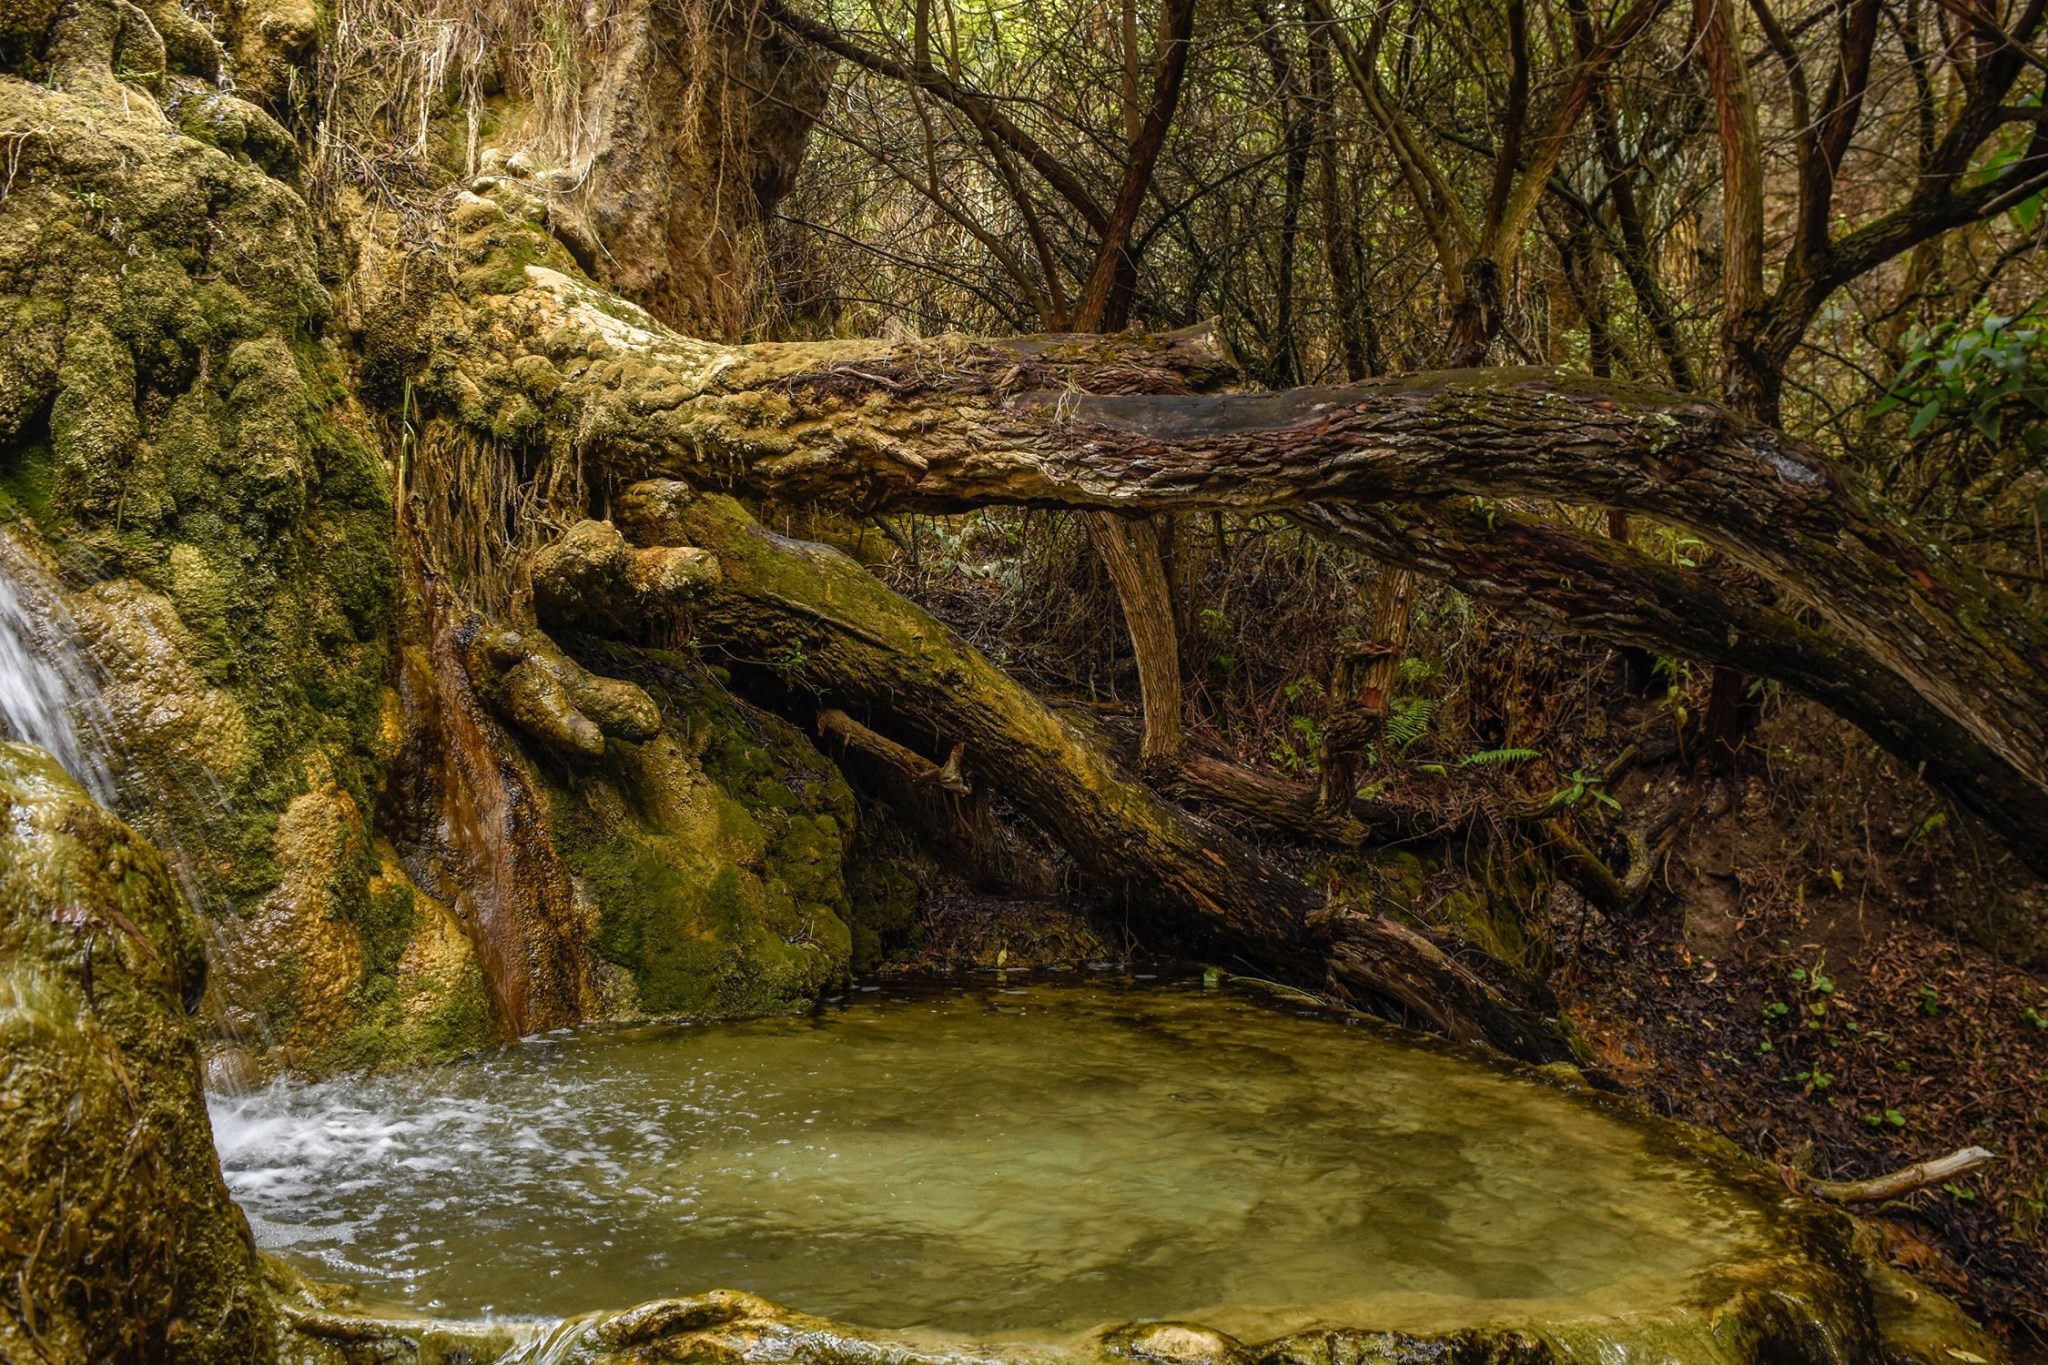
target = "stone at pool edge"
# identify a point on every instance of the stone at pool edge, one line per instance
(1779, 1322)
(100, 1105)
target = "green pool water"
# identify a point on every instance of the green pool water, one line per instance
(1001, 1162)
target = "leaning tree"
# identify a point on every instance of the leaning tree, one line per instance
(238, 354)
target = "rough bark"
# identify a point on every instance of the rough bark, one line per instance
(813, 613)
(1600, 587)
(1130, 552)
(949, 425)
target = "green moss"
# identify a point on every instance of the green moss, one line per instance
(28, 480)
(175, 416)
(386, 923)
(716, 852)
(884, 920)
(101, 1115)
(461, 1023)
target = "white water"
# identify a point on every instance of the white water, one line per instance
(49, 690)
(50, 696)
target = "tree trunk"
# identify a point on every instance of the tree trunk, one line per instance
(1130, 552)
(902, 674)
(950, 425)
(1586, 584)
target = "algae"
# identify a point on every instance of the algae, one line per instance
(117, 1239)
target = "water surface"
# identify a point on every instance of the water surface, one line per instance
(1018, 1163)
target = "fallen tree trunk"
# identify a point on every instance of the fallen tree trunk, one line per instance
(815, 616)
(1947, 670)
(1600, 587)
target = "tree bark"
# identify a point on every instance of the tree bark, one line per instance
(879, 658)
(1130, 552)
(951, 425)
(1587, 584)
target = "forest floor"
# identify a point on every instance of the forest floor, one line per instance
(1790, 991)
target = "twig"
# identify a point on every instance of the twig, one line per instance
(1903, 1181)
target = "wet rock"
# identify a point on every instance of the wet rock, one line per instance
(233, 1070)
(712, 855)
(172, 719)
(1173, 1343)
(532, 685)
(304, 946)
(163, 306)
(117, 1239)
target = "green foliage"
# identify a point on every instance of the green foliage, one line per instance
(1409, 719)
(1498, 758)
(1582, 788)
(1990, 375)
(1813, 1080)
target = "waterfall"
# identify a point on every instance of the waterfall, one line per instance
(49, 689)
(50, 697)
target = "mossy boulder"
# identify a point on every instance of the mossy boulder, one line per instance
(118, 1242)
(180, 437)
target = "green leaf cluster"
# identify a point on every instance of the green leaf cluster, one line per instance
(1989, 375)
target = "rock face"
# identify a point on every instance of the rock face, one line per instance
(180, 440)
(655, 207)
(408, 834)
(117, 1239)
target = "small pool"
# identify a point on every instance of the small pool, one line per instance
(1019, 1163)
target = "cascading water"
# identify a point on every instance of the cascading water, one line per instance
(49, 692)
(50, 697)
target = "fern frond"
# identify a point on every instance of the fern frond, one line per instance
(1494, 758)
(1410, 720)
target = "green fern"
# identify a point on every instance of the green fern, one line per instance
(1410, 720)
(1495, 758)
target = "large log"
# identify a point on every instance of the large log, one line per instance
(815, 615)
(1595, 586)
(1951, 672)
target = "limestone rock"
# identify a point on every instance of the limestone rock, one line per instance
(534, 686)
(117, 1239)
(591, 580)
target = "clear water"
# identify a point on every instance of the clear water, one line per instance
(1014, 1163)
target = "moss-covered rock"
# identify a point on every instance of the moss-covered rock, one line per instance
(713, 853)
(117, 1240)
(422, 994)
(181, 439)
